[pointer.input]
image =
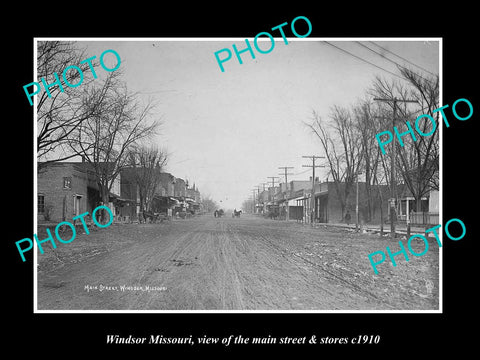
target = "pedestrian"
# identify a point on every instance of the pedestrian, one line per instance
(348, 217)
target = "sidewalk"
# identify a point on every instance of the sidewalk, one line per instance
(375, 228)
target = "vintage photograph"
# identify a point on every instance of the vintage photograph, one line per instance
(237, 175)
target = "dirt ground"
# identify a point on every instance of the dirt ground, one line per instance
(207, 263)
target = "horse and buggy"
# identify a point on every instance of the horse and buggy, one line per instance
(152, 217)
(218, 213)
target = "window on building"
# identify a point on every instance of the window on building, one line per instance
(67, 182)
(41, 203)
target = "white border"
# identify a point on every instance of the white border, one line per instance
(440, 252)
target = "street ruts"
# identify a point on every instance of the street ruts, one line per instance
(247, 263)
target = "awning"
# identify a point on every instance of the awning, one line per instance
(298, 198)
(121, 202)
(112, 197)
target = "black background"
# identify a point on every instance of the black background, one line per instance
(60, 335)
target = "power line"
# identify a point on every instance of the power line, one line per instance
(366, 61)
(386, 58)
(313, 166)
(286, 173)
(400, 57)
(273, 179)
(301, 172)
(365, 46)
(273, 186)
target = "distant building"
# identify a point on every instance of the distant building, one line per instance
(68, 189)
(193, 199)
(179, 188)
(328, 207)
(193, 193)
(292, 196)
(326, 202)
(262, 201)
(162, 200)
(429, 207)
(167, 184)
(164, 197)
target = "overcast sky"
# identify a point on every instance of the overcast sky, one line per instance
(229, 131)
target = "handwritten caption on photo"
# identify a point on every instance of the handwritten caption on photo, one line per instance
(123, 288)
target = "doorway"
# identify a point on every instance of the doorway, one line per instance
(77, 200)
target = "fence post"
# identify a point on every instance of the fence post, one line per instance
(408, 228)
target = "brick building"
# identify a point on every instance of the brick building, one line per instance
(180, 188)
(68, 189)
(167, 184)
(169, 193)
(327, 204)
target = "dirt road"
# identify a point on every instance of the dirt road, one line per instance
(231, 264)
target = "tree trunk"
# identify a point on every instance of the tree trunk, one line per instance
(104, 195)
(142, 207)
(418, 200)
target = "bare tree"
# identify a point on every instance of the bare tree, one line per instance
(342, 148)
(105, 138)
(147, 163)
(417, 162)
(426, 148)
(59, 114)
(365, 120)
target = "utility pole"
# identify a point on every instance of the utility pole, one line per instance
(263, 197)
(273, 186)
(356, 206)
(285, 168)
(313, 166)
(258, 197)
(273, 181)
(393, 190)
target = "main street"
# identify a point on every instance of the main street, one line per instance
(247, 263)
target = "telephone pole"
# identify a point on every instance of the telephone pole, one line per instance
(313, 166)
(273, 186)
(258, 197)
(273, 179)
(393, 190)
(263, 197)
(285, 168)
(253, 190)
